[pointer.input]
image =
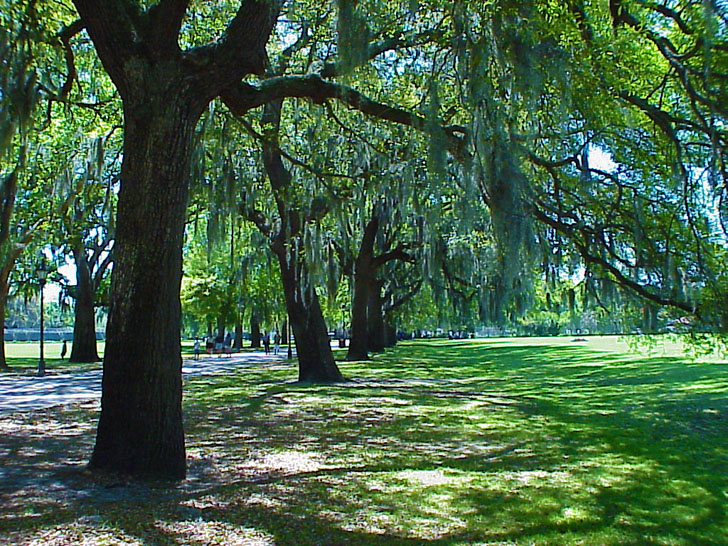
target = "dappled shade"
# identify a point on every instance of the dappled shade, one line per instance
(460, 442)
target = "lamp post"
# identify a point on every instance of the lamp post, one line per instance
(41, 272)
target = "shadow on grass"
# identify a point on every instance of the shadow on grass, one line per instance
(437, 443)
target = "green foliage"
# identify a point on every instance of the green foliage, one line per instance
(535, 91)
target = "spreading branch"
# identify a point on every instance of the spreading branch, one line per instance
(243, 97)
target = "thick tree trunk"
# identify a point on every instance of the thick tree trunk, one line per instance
(84, 347)
(375, 315)
(254, 331)
(164, 92)
(315, 360)
(363, 272)
(140, 429)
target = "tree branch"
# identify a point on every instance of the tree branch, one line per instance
(590, 258)
(337, 68)
(165, 21)
(110, 25)
(241, 49)
(244, 97)
(398, 253)
(65, 35)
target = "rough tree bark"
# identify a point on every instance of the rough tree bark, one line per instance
(315, 360)
(367, 313)
(238, 343)
(140, 429)
(164, 92)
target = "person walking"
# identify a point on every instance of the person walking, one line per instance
(196, 348)
(266, 343)
(276, 342)
(64, 348)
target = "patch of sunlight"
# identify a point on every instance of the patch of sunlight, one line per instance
(707, 386)
(265, 501)
(418, 504)
(428, 478)
(201, 532)
(292, 462)
(205, 503)
(373, 523)
(578, 515)
(387, 486)
(537, 478)
(82, 534)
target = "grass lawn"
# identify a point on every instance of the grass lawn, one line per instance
(22, 357)
(506, 441)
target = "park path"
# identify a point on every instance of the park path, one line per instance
(18, 394)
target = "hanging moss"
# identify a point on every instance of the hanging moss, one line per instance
(353, 34)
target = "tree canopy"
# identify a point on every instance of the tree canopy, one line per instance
(513, 155)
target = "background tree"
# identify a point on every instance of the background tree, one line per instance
(527, 86)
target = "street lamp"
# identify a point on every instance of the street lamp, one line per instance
(41, 272)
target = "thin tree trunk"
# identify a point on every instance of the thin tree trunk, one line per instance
(221, 326)
(390, 335)
(375, 316)
(83, 348)
(238, 336)
(140, 428)
(316, 362)
(4, 290)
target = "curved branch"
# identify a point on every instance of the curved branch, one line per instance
(589, 258)
(65, 35)
(244, 97)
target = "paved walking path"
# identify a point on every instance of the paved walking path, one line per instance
(19, 394)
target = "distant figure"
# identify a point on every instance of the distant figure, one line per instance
(64, 348)
(266, 343)
(209, 345)
(219, 340)
(226, 344)
(196, 348)
(276, 343)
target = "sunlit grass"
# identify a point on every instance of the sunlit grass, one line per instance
(22, 357)
(441, 442)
